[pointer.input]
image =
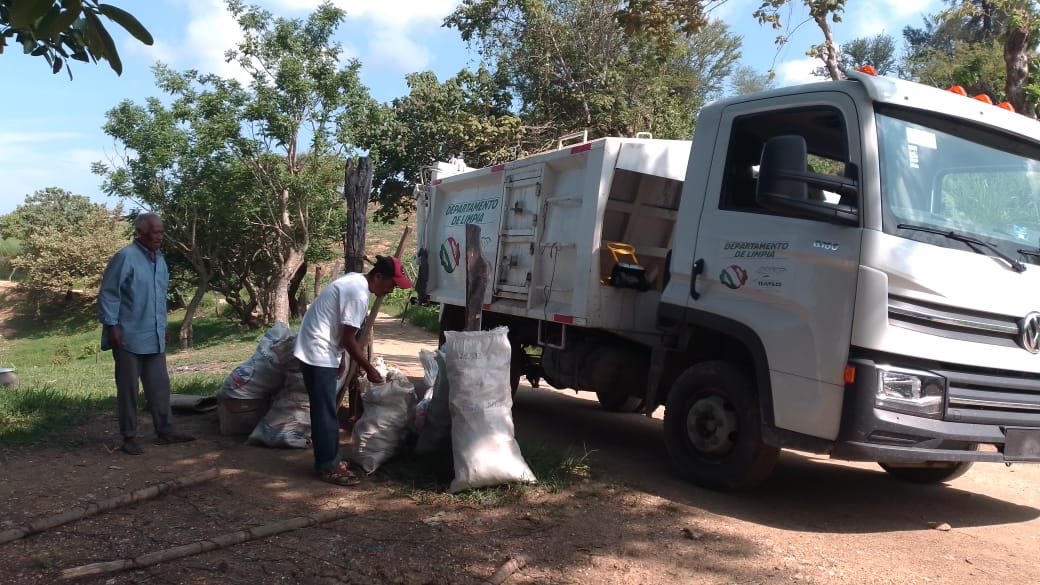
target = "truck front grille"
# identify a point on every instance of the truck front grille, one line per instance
(976, 395)
(973, 326)
(992, 397)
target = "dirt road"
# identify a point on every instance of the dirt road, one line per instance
(814, 521)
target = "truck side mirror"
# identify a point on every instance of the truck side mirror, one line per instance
(784, 181)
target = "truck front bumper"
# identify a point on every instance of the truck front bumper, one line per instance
(869, 433)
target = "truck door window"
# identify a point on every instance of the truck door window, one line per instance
(826, 138)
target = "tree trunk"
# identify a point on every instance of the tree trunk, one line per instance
(1016, 61)
(294, 291)
(830, 55)
(357, 184)
(187, 332)
(280, 286)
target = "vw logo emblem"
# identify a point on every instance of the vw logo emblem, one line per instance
(1029, 332)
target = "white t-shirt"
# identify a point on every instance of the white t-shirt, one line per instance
(343, 302)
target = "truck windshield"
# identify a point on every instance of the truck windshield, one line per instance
(950, 177)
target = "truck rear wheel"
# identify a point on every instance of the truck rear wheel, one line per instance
(713, 429)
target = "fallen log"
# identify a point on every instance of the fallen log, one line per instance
(93, 508)
(201, 546)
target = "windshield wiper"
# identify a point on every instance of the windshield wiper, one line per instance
(1033, 253)
(1015, 264)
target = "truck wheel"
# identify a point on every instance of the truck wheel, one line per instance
(713, 429)
(932, 471)
(618, 402)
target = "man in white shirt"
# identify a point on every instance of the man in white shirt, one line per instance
(331, 326)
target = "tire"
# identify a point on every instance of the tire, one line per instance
(932, 471)
(713, 429)
(614, 402)
(452, 319)
(517, 365)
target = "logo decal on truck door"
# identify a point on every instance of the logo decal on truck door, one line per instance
(450, 254)
(758, 265)
(733, 276)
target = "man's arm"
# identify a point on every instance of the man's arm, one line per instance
(349, 341)
(109, 300)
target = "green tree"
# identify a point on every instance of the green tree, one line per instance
(302, 96)
(60, 255)
(578, 64)
(59, 30)
(985, 46)
(878, 51)
(746, 80)
(467, 116)
(52, 206)
(246, 177)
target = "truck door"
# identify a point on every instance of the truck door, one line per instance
(521, 190)
(789, 279)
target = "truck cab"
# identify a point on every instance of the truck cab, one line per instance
(853, 273)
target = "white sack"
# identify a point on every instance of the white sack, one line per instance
(385, 420)
(483, 443)
(435, 431)
(262, 375)
(287, 423)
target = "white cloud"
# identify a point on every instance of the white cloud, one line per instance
(394, 50)
(384, 13)
(797, 71)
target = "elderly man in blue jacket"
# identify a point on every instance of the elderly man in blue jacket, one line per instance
(132, 311)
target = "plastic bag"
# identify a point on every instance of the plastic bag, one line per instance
(435, 432)
(287, 423)
(385, 421)
(484, 447)
(263, 374)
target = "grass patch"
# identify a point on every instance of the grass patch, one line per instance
(29, 414)
(425, 478)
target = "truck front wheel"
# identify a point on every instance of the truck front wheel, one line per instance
(713, 430)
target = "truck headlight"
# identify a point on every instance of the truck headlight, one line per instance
(910, 391)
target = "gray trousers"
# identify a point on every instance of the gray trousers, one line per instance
(150, 369)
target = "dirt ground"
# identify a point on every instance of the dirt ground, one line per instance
(814, 521)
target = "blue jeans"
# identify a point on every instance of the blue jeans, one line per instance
(321, 388)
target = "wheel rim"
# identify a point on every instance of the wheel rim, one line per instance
(711, 425)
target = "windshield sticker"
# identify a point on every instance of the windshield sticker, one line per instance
(913, 156)
(759, 265)
(921, 138)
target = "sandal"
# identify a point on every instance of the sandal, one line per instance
(340, 475)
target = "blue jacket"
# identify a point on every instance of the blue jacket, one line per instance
(133, 296)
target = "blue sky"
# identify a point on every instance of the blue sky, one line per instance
(50, 127)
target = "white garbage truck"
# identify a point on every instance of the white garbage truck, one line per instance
(848, 268)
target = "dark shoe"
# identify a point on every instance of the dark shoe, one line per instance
(340, 475)
(174, 437)
(132, 447)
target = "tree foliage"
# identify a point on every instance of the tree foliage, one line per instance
(985, 46)
(467, 116)
(878, 51)
(59, 30)
(746, 80)
(246, 178)
(583, 64)
(67, 239)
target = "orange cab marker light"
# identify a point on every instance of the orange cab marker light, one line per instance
(1007, 106)
(984, 98)
(850, 374)
(868, 69)
(958, 90)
